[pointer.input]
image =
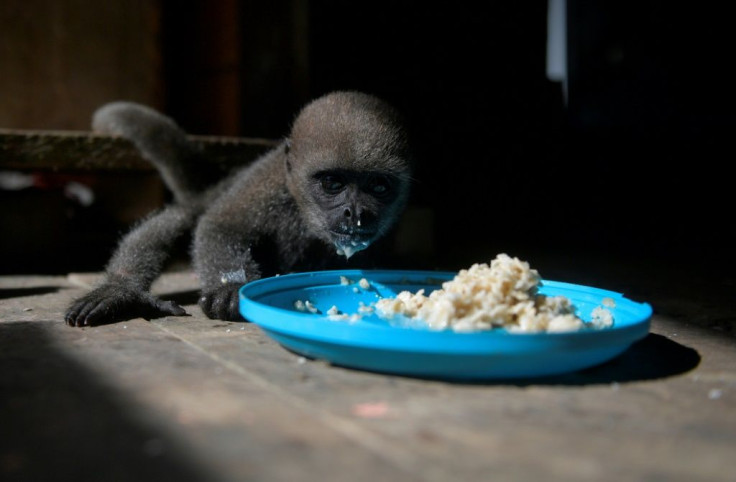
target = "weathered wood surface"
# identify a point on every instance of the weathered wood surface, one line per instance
(194, 399)
(80, 150)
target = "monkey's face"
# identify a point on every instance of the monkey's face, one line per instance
(347, 166)
(354, 208)
(350, 202)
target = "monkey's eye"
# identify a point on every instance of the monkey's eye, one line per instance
(332, 184)
(380, 185)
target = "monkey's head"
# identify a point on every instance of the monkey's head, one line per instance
(348, 167)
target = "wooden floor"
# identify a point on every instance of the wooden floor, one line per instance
(192, 399)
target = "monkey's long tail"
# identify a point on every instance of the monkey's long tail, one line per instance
(162, 142)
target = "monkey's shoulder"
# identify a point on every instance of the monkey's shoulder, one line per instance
(254, 187)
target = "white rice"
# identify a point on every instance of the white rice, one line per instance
(483, 297)
(305, 306)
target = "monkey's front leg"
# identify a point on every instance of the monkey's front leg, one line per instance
(134, 266)
(223, 263)
(220, 298)
(117, 300)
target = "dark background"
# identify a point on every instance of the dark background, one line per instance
(634, 164)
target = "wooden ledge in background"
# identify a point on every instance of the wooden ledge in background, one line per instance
(51, 150)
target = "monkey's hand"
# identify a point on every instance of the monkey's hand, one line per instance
(222, 302)
(113, 302)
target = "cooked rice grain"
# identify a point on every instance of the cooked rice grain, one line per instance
(483, 297)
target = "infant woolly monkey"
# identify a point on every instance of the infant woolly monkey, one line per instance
(334, 186)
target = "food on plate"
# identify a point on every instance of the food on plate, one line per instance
(502, 294)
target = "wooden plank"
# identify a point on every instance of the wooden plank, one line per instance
(85, 151)
(221, 401)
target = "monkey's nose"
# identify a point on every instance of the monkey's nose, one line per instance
(353, 216)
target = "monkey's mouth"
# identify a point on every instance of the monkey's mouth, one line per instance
(348, 244)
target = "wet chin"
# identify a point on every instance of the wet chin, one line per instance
(348, 247)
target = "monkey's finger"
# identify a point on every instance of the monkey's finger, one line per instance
(74, 315)
(85, 307)
(71, 316)
(234, 307)
(226, 305)
(170, 308)
(215, 304)
(74, 321)
(98, 312)
(205, 302)
(219, 306)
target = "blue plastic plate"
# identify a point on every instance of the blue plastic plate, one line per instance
(375, 344)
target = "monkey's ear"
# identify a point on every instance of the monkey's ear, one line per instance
(287, 149)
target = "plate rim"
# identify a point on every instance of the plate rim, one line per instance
(461, 341)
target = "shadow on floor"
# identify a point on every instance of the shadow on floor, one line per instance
(20, 292)
(182, 298)
(59, 422)
(652, 358)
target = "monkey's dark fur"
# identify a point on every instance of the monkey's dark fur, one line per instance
(334, 186)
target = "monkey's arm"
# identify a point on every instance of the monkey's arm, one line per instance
(229, 237)
(251, 212)
(224, 262)
(137, 262)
